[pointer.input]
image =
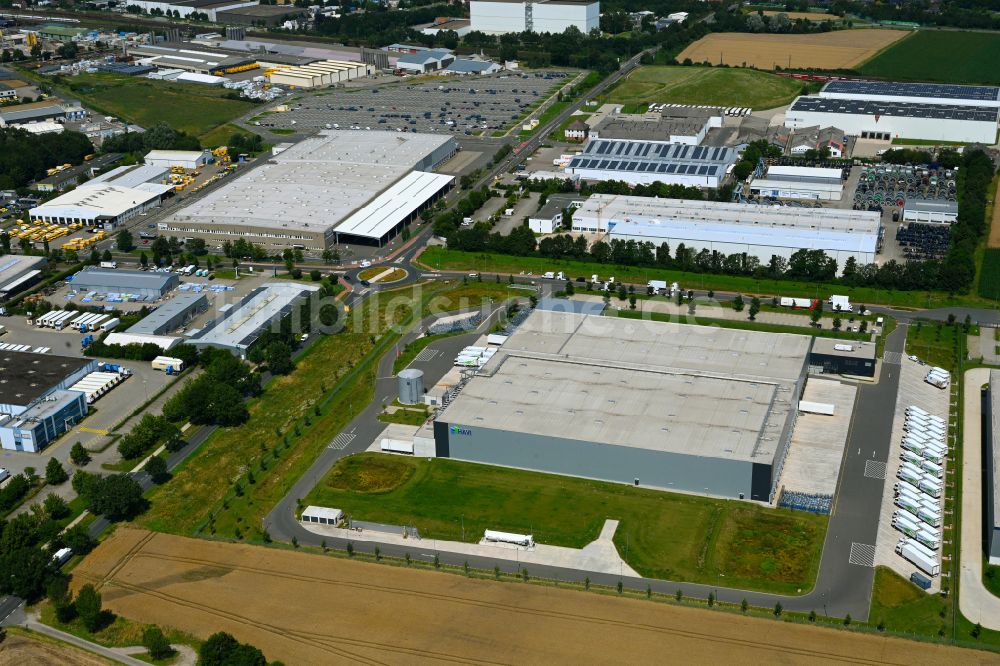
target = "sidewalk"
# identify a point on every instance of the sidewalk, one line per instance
(974, 600)
(599, 556)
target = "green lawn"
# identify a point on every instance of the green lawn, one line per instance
(705, 85)
(192, 108)
(972, 57)
(904, 607)
(745, 325)
(412, 417)
(411, 350)
(440, 258)
(666, 535)
(933, 343)
(989, 275)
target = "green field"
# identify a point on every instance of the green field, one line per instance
(192, 108)
(666, 535)
(705, 85)
(934, 343)
(940, 55)
(904, 607)
(989, 275)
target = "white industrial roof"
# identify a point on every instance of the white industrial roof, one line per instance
(394, 205)
(131, 175)
(316, 183)
(91, 200)
(670, 387)
(239, 327)
(165, 342)
(14, 265)
(799, 239)
(178, 155)
(804, 172)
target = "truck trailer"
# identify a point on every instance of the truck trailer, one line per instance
(907, 548)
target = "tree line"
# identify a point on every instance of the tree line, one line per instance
(25, 157)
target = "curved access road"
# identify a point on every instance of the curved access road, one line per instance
(976, 602)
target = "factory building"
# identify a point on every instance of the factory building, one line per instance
(497, 17)
(897, 120)
(355, 186)
(317, 74)
(428, 60)
(187, 7)
(35, 405)
(732, 228)
(644, 162)
(669, 406)
(991, 469)
(19, 272)
(192, 58)
(269, 16)
(71, 177)
(187, 159)
(672, 125)
(238, 327)
(935, 211)
(170, 316)
(914, 93)
(98, 205)
(843, 357)
(795, 182)
(150, 285)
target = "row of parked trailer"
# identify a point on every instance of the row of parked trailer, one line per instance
(938, 377)
(6, 346)
(474, 357)
(96, 384)
(918, 491)
(75, 320)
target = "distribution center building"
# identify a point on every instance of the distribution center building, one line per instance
(644, 162)
(538, 16)
(171, 315)
(897, 120)
(916, 93)
(99, 204)
(669, 406)
(357, 187)
(732, 228)
(19, 272)
(991, 469)
(797, 182)
(147, 284)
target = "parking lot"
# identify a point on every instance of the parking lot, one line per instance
(913, 390)
(464, 106)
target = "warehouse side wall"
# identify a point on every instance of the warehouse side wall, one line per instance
(935, 129)
(621, 464)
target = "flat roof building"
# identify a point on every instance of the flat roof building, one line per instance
(644, 162)
(918, 93)
(38, 425)
(795, 182)
(939, 211)
(150, 284)
(669, 406)
(732, 228)
(239, 327)
(13, 267)
(98, 204)
(171, 315)
(187, 159)
(498, 17)
(362, 186)
(991, 470)
(897, 120)
(71, 177)
(843, 357)
(191, 57)
(27, 378)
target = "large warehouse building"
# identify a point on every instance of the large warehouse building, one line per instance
(503, 16)
(732, 228)
(991, 470)
(35, 406)
(171, 315)
(669, 406)
(645, 162)
(239, 326)
(357, 187)
(98, 204)
(897, 120)
(19, 272)
(149, 285)
(915, 93)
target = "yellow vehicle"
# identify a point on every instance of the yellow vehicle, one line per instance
(87, 158)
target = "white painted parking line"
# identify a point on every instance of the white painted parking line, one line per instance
(341, 441)
(862, 554)
(875, 469)
(426, 355)
(892, 358)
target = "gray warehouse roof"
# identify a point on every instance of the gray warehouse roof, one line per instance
(122, 280)
(671, 387)
(647, 157)
(900, 109)
(159, 320)
(944, 91)
(844, 348)
(932, 206)
(25, 376)
(13, 266)
(995, 444)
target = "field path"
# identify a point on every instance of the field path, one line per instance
(994, 238)
(305, 608)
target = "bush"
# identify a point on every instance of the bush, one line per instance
(54, 473)
(156, 643)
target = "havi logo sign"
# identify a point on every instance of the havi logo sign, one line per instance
(455, 430)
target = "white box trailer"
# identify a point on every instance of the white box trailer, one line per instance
(396, 446)
(930, 517)
(906, 515)
(60, 322)
(928, 539)
(525, 540)
(930, 454)
(929, 565)
(904, 502)
(75, 322)
(96, 322)
(909, 475)
(930, 487)
(932, 468)
(906, 527)
(795, 302)
(110, 324)
(903, 486)
(916, 410)
(657, 285)
(167, 362)
(910, 456)
(62, 556)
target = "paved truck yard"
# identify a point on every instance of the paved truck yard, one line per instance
(455, 105)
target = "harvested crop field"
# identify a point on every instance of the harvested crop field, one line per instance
(18, 649)
(841, 49)
(994, 239)
(310, 609)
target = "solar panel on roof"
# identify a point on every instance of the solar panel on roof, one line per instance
(702, 170)
(943, 91)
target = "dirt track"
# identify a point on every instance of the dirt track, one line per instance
(309, 609)
(994, 236)
(840, 49)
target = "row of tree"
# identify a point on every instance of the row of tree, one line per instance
(217, 395)
(25, 157)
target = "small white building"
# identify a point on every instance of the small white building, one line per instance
(498, 17)
(423, 62)
(793, 182)
(930, 211)
(321, 515)
(188, 159)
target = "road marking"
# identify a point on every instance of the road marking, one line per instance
(892, 358)
(425, 355)
(862, 554)
(341, 441)
(875, 469)
(96, 431)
